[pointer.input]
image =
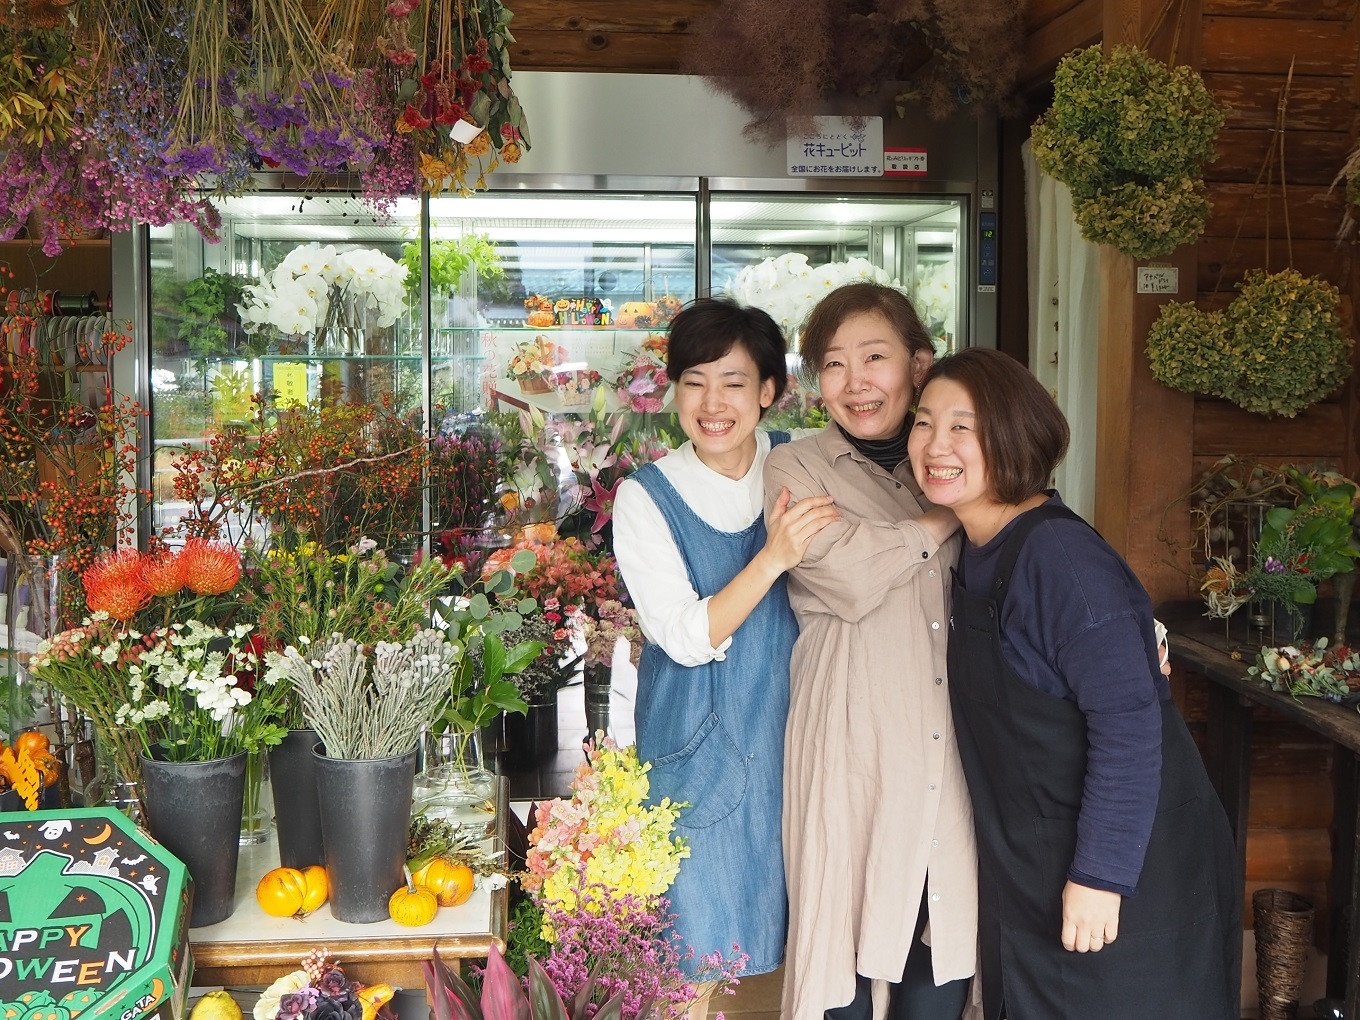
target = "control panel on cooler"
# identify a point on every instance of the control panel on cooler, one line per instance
(987, 252)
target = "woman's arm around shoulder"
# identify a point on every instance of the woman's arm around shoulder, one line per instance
(852, 564)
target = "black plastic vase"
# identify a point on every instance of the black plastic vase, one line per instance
(365, 815)
(194, 810)
(297, 808)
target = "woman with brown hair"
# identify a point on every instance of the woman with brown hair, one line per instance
(1105, 861)
(878, 836)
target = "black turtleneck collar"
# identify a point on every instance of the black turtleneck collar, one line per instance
(886, 453)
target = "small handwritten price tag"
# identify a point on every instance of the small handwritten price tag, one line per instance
(1158, 280)
(290, 383)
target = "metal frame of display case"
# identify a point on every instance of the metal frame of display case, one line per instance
(131, 258)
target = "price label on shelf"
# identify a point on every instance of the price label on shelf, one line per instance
(290, 383)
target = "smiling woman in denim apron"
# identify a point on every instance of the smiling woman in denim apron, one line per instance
(707, 578)
(1106, 871)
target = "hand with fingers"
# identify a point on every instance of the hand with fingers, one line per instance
(792, 525)
(1090, 918)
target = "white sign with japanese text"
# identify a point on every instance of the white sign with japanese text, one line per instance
(837, 147)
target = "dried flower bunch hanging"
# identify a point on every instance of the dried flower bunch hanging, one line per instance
(1130, 136)
(792, 57)
(453, 56)
(1277, 349)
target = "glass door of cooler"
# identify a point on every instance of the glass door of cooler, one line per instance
(566, 292)
(302, 299)
(767, 247)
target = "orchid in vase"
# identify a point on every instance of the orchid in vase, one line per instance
(329, 294)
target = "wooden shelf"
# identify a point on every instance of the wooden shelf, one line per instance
(29, 244)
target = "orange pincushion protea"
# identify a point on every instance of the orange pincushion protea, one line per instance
(162, 575)
(113, 584)
(209, 568)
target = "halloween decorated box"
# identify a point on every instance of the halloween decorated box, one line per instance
(93, 919)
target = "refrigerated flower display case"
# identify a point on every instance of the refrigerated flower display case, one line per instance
(526, 298)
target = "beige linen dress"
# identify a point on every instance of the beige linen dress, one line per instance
(874, 794)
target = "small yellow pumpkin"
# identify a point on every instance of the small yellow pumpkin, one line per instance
(412, 905)
(450, 881)
(288, 892)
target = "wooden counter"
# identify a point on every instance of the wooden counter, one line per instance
(1199, 644)
(252, 948)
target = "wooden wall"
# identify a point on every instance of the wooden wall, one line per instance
(603, 35)
(1244, 49)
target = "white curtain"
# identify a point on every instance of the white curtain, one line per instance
(1064, 316)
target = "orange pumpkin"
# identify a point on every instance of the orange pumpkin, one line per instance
(450, 881)
(288, 892)
(412, 905)
(33, 741)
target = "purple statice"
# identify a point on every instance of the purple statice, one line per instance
(631, 946)
(1273, 566)
(308, 127)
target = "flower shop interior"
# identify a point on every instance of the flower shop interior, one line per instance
(325, 317)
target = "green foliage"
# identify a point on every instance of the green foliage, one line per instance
(1277, 349)
(1129, 137)
(449, 260)
(207, 313)
(477, 621)
(525, 939)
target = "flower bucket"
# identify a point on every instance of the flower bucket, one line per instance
(365, 815)
(297, 810)
(194, 810)
(531, 739)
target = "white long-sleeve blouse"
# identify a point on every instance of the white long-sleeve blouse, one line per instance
(670, 611)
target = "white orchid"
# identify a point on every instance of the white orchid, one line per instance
(787, 287)
(317, 283)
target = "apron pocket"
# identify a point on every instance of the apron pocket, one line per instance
(708, 773)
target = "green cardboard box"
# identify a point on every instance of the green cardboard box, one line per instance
(94, 919)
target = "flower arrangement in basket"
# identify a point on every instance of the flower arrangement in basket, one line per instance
(533, 363)
(576, 386)
(322, 991)
(320, 290)
(641, 384)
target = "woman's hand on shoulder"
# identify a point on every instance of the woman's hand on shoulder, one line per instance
(791, 526)
(940, 522)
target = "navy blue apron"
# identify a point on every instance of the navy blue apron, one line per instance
(1178, 951)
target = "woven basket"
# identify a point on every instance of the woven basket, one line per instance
(534, 384)
(1284, 931)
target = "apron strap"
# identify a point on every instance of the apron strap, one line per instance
(1015, 541)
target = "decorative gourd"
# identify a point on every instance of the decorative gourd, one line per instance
(636, 315)
(450, 881)
(412, 905)
(288, 892)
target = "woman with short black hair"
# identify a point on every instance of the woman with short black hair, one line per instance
(1106, 874)
(705, 569)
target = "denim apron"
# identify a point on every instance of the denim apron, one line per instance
(1024, 753)
(714, 734)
